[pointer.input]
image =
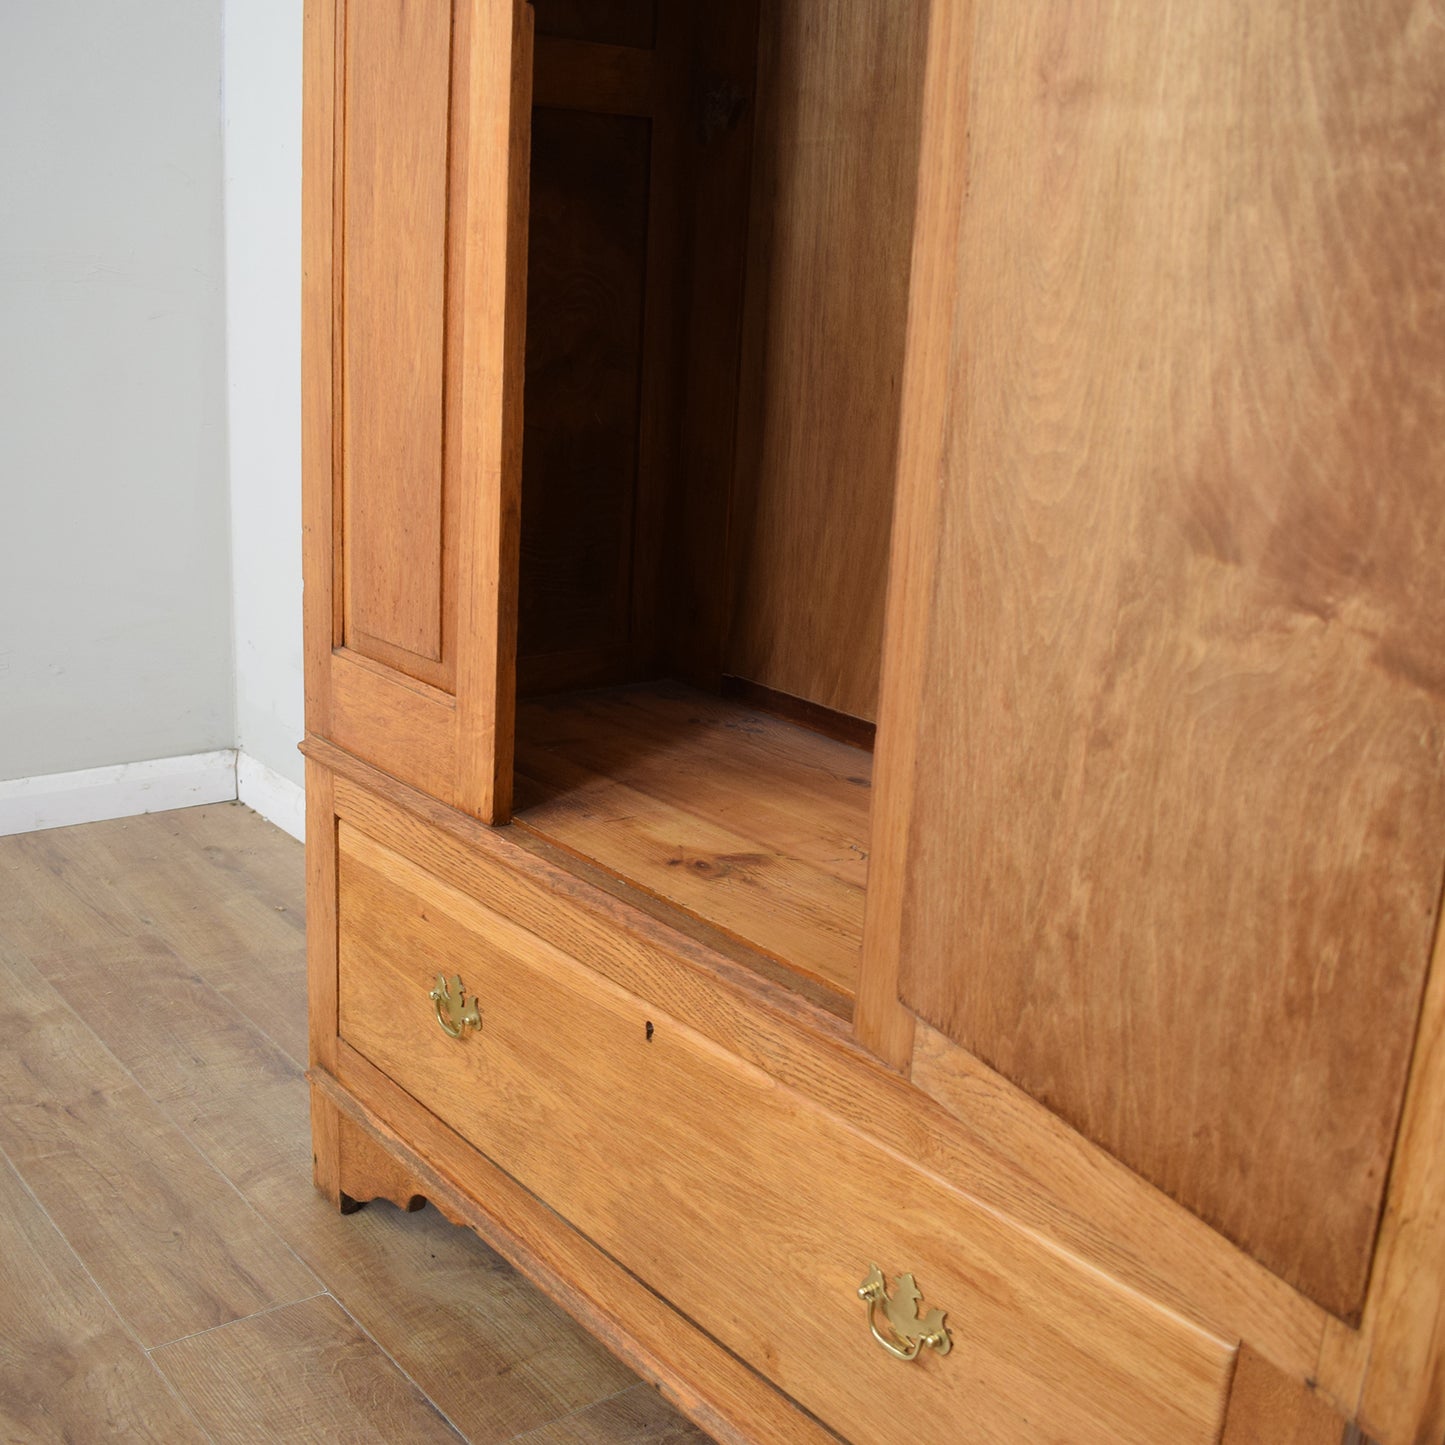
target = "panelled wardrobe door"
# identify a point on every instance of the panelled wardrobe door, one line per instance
(1161, 798)
(418, 115)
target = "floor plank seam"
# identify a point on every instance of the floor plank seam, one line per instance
(169, 1115)
(252, 1023)
(534, 1430)
(101, 1294)
(239, 1320)
(401, 1370)
(45, 1214)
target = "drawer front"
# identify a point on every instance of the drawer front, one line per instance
(752, 1210)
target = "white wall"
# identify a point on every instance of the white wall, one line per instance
(263, 338)
(115, 617)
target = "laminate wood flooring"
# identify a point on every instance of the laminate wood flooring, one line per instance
(167, 1271)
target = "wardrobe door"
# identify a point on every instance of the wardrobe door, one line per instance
(417, 128)
(1160, 821)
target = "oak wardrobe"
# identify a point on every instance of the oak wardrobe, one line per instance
(875, 612)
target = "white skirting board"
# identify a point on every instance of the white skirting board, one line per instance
(277, 799)
(57, 800)
(92, 795)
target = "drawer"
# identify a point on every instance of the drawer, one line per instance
(754, 1211)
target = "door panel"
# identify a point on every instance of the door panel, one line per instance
(393, 232)
(418, 122)
(1175, 805)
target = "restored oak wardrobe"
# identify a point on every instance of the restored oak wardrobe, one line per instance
(875, 601)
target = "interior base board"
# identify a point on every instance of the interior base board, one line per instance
(59, 800)
(275, 797)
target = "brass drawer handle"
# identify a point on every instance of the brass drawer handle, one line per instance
(454, 1013)
(909, 1332)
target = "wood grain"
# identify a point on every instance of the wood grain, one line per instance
(320, 917)
(880, 1021)
(69, 1370)
(836, 147)
(604, 358)
(586, 271)
(1404, 1326)
(162, 1233)
(1078, 1197)
(1266, 1407)
(719, 758)
(1178, 824)
(394, 277)
(320, 371)
(717, 144)
(1340, 1371)
(665, 321)
(304, 1372)
(389, 719)
(753, 824)
(607, 1121)
(601, 79)
(489, 308)
(414, 346)
(605, 22)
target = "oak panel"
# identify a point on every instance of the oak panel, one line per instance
(613, 1124)
(881, 1023)
(488, 308)
(416, 200)
(320, 365)
(1267, 1407)
(404, 726)
(605, 22)
(586, 269)
(1404, 1326)
(1178, 817)
(601, 79)
(835, 158)
(716, 159)
(394, 279)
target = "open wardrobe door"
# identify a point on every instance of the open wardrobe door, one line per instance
(417, 132)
